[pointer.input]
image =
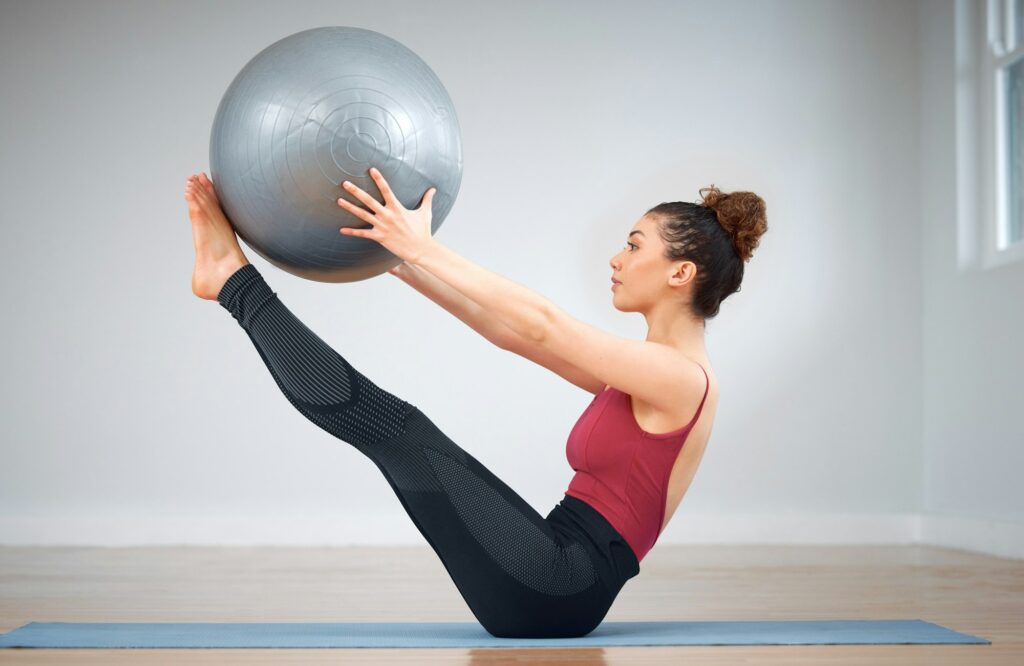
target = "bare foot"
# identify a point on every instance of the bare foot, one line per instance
(218, 254)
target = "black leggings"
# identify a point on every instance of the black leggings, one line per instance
(522, 575)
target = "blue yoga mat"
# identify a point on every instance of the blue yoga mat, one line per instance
(470, 634)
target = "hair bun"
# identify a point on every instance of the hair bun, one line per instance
(741, 214)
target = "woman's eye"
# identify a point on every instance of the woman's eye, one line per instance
(630, 245)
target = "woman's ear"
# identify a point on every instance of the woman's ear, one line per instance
(684, 272)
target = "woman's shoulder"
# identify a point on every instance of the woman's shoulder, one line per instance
(702, 374)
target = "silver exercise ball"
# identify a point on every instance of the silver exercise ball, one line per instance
(317, 108)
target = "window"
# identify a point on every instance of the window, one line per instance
(1014, 101)
(1006, 67)
(990, 131)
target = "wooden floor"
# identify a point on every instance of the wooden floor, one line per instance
(975, 594)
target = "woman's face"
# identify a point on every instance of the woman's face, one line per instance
(640, 267)
(647, 276)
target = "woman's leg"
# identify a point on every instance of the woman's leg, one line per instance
(519, 575)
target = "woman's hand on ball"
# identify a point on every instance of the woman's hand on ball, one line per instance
(405, 233)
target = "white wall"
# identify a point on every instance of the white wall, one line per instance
(136, 413)
(973, 432)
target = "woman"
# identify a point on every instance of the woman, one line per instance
(522, 575)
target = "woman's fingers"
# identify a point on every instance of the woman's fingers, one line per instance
(363, 196)
(361, 213)
(385, 189)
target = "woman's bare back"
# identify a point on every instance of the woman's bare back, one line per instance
(656, 421)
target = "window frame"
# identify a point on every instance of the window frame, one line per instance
(984, 36)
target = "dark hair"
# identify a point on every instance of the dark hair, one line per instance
(718, 235)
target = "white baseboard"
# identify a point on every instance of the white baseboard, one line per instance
(394, 528)
(980, 535)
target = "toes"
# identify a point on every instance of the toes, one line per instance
(199, 188)
(209, 184)
(194, 193)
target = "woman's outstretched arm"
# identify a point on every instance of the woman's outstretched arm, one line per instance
(407, 234)
(521, 309)
(487, 325)
(464, 309)
(654, 372)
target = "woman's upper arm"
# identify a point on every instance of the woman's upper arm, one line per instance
(538, 354)
(654, 373)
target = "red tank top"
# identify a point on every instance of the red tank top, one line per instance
(622, 471)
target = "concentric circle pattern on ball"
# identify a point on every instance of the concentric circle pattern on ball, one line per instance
(317, 108)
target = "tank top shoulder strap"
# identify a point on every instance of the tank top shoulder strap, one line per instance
(707, 385)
